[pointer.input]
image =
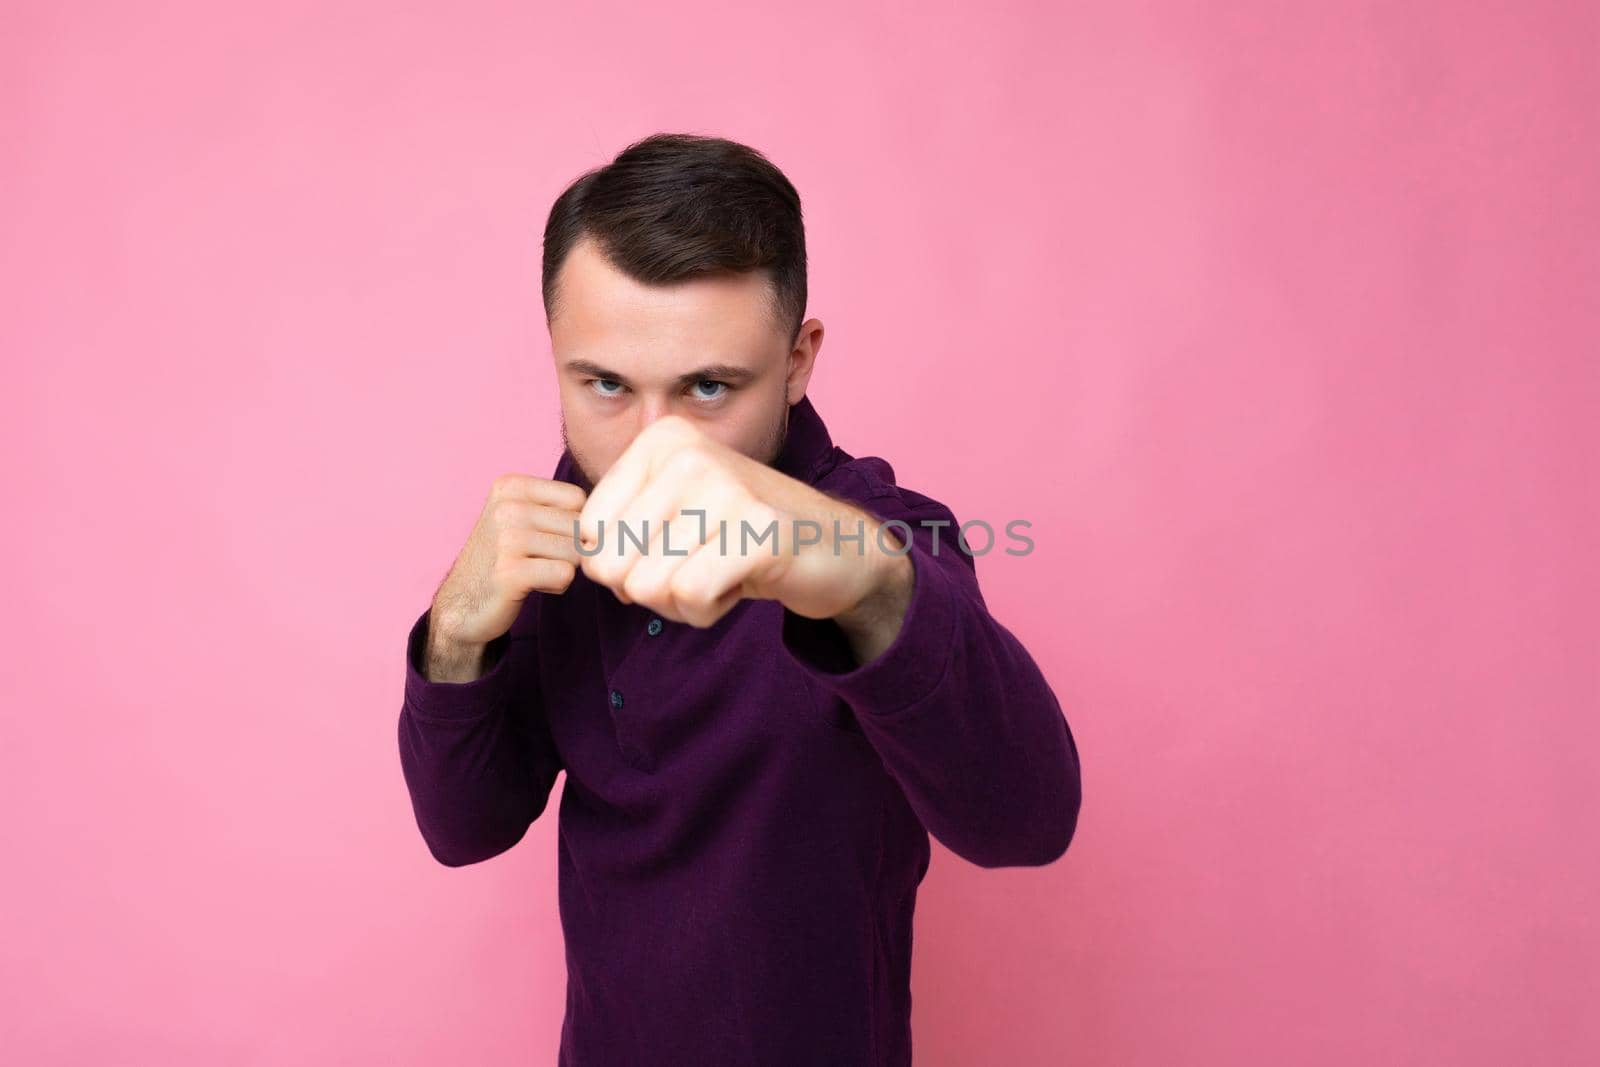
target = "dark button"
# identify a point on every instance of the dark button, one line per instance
(654, 627)
(616, 699)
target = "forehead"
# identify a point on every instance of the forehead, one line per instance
(604, 314)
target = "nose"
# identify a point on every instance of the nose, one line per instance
(651, 409)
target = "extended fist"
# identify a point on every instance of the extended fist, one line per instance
(716, 527)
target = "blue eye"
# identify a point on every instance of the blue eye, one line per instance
(597, 382)
(722, 387)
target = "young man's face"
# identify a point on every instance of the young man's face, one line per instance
(706, 348)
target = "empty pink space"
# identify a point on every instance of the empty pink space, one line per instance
(1277, 322)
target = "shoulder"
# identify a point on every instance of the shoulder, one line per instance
(871, 480)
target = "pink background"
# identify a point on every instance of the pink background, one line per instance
(1279, 322)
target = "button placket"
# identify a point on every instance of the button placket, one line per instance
(629, 696)
(625, 721)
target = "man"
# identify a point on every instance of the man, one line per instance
(758, 737)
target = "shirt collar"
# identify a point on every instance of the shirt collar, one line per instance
(807, 445)
(806, 448)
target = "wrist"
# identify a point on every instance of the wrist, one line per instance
(873, 622)
(447, 659)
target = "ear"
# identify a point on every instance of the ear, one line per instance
(803, 360)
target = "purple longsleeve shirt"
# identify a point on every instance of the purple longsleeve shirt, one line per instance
(746, 813)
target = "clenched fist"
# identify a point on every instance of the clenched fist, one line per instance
(522, 543)
(824, 558)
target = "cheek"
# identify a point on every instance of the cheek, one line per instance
(744, 427)
(742, 439)
(598, 451)
(590, 440)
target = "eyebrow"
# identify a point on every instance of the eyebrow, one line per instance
(725, 371)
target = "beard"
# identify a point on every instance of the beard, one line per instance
(771, 446)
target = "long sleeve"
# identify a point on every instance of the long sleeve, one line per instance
(956, 708)
(477, 756)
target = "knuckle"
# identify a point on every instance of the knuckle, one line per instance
(637, 585)
(688, 592)
(672, 428)
(558, 494)
(559, 573)
(688, 461)
(508, 539)
(598, 568)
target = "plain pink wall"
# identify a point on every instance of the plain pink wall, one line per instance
(1279, 322)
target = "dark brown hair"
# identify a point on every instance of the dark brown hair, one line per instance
(677, 205)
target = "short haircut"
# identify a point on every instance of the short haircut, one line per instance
(675, 206)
